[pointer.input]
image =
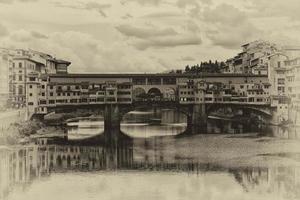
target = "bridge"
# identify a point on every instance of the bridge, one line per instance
(117, 94)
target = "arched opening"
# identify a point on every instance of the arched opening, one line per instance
(169, 94)
(155, 94)
(138, 94)
(236, 119)
(68, 161)
(59, 161)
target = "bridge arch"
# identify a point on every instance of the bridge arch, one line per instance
(257, 110)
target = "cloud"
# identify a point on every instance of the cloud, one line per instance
(225, 13)
(141, 32)
(144, 38)
(12, 1)
(229, 27)
(162, 15)
(98, 7)
(27, 0)
(287, 8)
(185, 3)
(127, 16)
(86, 53)
(172, 41)
(192, 6)
(143, 2)
(26, 36)
(187, 58)
(3, 30)
(6, 1)
(38, 35)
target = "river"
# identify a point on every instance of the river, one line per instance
(235, 161)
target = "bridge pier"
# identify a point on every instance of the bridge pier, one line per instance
(112, 121)
(196, 119)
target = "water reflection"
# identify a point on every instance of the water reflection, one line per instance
(139, 167)
(21, 167)
(168, 122)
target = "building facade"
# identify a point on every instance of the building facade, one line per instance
(16, 65)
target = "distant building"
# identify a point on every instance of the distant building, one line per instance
(4, 78)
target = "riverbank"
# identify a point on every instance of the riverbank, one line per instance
(24, 131)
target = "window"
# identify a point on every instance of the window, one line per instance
(51, 87)
(30, 86)
(43, 86)
(30, 103)
(278, 64)
(280, 89)
(51, 93)
(21, 89)
(139, 81)
(20, 78)
(30, 94)
(154, 81)
(20, 65)
(43, 94)
(280, 81)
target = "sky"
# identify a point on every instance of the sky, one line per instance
(145, 35)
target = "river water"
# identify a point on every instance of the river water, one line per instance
(235, 161)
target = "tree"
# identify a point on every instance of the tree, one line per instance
(187, 69)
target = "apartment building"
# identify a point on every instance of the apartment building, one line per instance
(253, 59)
(293, 88)
(16, 65)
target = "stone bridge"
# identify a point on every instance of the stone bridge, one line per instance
(117, 94)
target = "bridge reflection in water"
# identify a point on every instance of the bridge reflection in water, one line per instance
(22, 166)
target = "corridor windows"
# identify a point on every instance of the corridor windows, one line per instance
(154, 81)
(139, 81)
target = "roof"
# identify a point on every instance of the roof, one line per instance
(278, 53)
(60, 61)
(27, 58)
(144, 75)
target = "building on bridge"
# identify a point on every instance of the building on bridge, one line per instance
(51, 92)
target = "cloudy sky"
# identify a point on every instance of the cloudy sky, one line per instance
(144, 35)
